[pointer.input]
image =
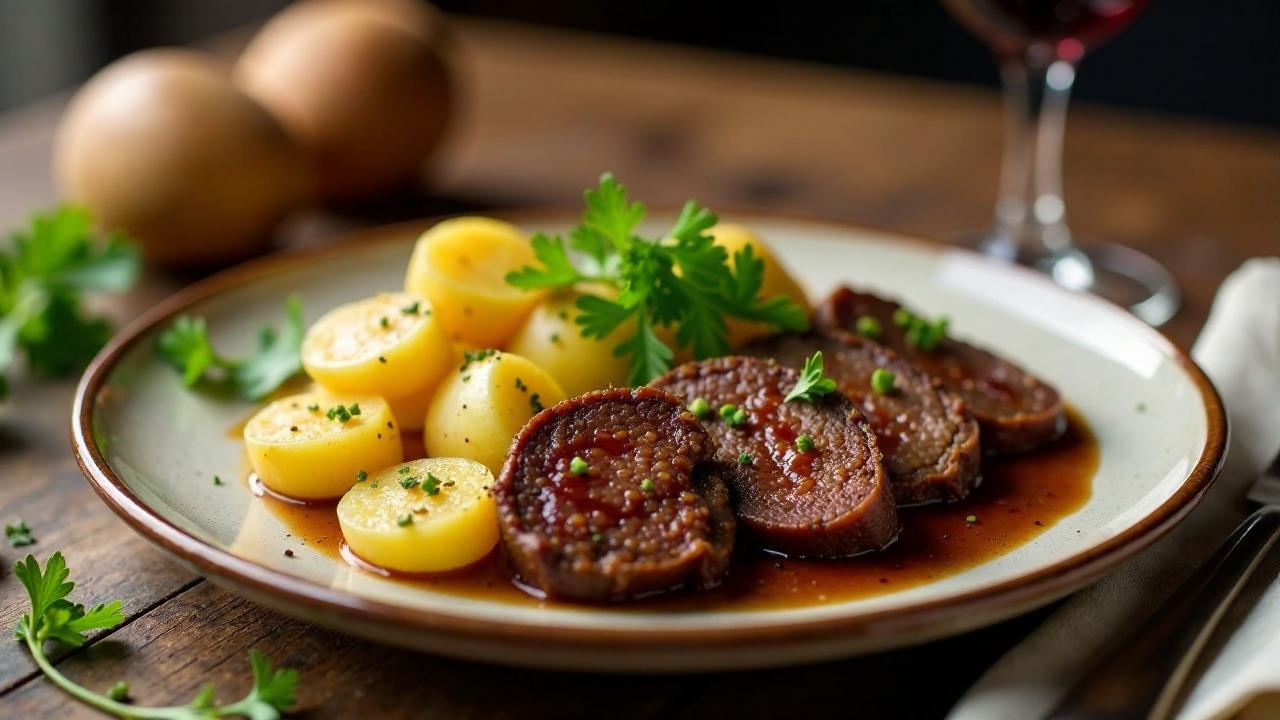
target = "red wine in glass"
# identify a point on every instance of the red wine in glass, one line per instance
(1067, 27)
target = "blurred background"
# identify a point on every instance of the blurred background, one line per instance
(1189, 57)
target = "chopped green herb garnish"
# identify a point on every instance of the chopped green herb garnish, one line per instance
(119, 692)
(535, 403)
(700, 408)
(474, 356)
(812, 383)
(578, 466)
(744, 459)
(362, 476)
(804, 443)
(555, 338)
(869, 327)
(384, 322)
(680, 279)
(382, 359)
(739, 418)
(431, 485)
(922, 333)
(313, 408)
(646, 485)
(186, 346)
(521, 386)
(45, 272)
(342, 414)
(411, 308)
(408, 481)
(404, 470)
(217, 480)
(597, 538)
(53, 617)
(902, 317)
(972, 519)
(726, 411)
(883, 382)
(19, 534)
(405, 520)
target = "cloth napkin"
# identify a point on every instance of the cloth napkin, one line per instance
(1239, 349)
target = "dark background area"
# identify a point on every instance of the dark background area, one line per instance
(1195, 57)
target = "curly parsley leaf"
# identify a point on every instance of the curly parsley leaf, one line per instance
(812, 383)
(44, 273)
(186, 346)
(52, 617)
(557, 270)
(610, 213)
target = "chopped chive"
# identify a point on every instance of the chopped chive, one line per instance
(727, 410)
(700, 408)
(431, 485)
(646, 485)
(313, 407)
(869, 327)
(738, 419)
(902, 317)
(744, 459)
(382, 359)
(362, 476)
(408, 482)
(883, 382)
(804, 443)
(217, 480)
(577, 465)
(410, 309)
(384, 322)
(405, 520)
(597, 538)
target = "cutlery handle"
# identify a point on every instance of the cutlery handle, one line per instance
(1144, 674)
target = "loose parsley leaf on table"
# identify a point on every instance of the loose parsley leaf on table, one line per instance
(53, 617)
(44, 273)
(18, 534)
(187, 347)
(681, 280)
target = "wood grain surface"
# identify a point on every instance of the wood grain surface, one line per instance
(543, 113)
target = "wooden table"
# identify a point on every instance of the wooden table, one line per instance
(544, 113)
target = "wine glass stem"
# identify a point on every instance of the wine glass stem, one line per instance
(1030, 214)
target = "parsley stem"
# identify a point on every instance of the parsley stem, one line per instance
(85, 695)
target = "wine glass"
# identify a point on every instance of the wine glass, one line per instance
(1038, 44)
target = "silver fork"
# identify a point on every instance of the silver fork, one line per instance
(1146, 671)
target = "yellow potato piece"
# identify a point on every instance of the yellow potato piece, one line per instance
(481, 406)
(461, 265)
(777, 281)
(296, 450)
(392, 345)
(410, 530)
(552, 340)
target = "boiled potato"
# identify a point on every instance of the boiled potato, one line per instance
(393, 520)
(461, 266)
(392, 345)
(297, 450)
(553, 341)
(777, 281)
(363, 86)
(481, 406)
(161, 144)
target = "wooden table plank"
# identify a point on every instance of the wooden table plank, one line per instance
(544, 112)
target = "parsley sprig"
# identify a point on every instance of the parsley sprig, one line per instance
(54, 617)
(684, 281)
(812, 383)
(44, 273)
(187, 347)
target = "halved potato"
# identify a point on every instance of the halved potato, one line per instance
(392, 345)
(481, 406)
(393, 520)
(461, 265)
(777, 281)
(553, 341)
(298, 450)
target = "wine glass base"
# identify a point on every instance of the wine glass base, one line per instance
(1117, 273)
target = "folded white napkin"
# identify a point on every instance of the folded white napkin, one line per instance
(1240, 351)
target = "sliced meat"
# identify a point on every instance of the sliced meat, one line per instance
(930, 445)
(831, 500)
(1016, 410)
(615, 495)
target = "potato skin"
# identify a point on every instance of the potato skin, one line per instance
(480, 408)
(301, 453)
(461, 265)
(777, 281)
(553, 340)
(451, 529)
(375, 347)
(162, 145)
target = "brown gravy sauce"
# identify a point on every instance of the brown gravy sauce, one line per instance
(1020, 497)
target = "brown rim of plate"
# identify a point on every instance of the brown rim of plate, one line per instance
(1019, 594)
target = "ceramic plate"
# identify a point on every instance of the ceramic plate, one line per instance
(150, 448)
